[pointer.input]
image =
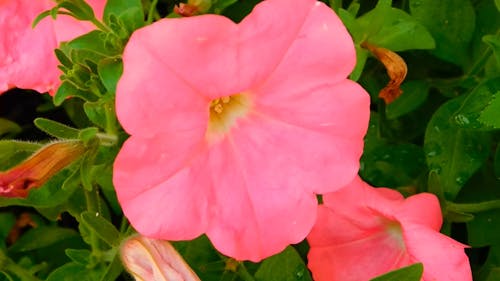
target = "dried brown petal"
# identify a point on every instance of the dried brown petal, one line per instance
(186, 10)
(24, 220)
(396, 69)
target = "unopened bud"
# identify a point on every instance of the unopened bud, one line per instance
(151, 259)
(39, 168)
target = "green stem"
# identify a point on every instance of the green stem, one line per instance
(479, 64)
(243, 273)
(151, 11)
(101, 26)
(110, 119)
(107, 140)
(7, 264)
(473, 207)
(92, 206)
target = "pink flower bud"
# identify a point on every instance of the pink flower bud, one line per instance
(151, 259)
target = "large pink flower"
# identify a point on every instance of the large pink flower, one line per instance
(27, 58)
(362, 232)
(235, 127)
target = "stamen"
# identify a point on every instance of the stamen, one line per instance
(225, 110)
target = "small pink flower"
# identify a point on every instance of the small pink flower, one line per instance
(235, 127)
(27, 58)
(363, 232)
(154, 260)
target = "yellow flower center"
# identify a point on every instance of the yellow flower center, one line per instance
(225, 111)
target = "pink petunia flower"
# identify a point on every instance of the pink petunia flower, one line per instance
(235, 127)
(363, 232)
(27, 58)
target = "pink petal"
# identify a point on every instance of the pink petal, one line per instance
(358, 195)
(310, 90)
(363, 231)
(264, 41)
(68, 28)
(322, 53)
(443, 258)
(340, 109)
(197, 53)
(422, 209)
(314, 160)
(255, 215)
(149, 90)
(369, 252)
(26, 58)
(161, 186)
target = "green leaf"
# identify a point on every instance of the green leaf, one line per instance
(75, 272)
(203, 258)
(451, 23)
(220, 5)
(7, 221)
(361, 57)
(40, 237)
(102, 227)
(494, 42)
(104, 177)
(4, 276)
(95, 42)
(114, 269)
(393, 165)
(96, 112)
(414, 94)
(88, 134)
(129, 12)
(86, 170)
(285, 266)
(110, 70)
(470, 114)
(497, 3)
(491, 114)
(454, 154)
(458, 217)
(63, 58)
(497, 162)
(40, 17)
(484, 228)
(13, 151)
(56, 129)
(494, 274)
(67, 90)
(8, 127)
(394, 29)
(78, 8)
(409, 273)
(79, 256)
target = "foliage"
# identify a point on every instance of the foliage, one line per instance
(440, 136)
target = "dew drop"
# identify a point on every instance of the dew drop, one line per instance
(461, 119)
(460, 180)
